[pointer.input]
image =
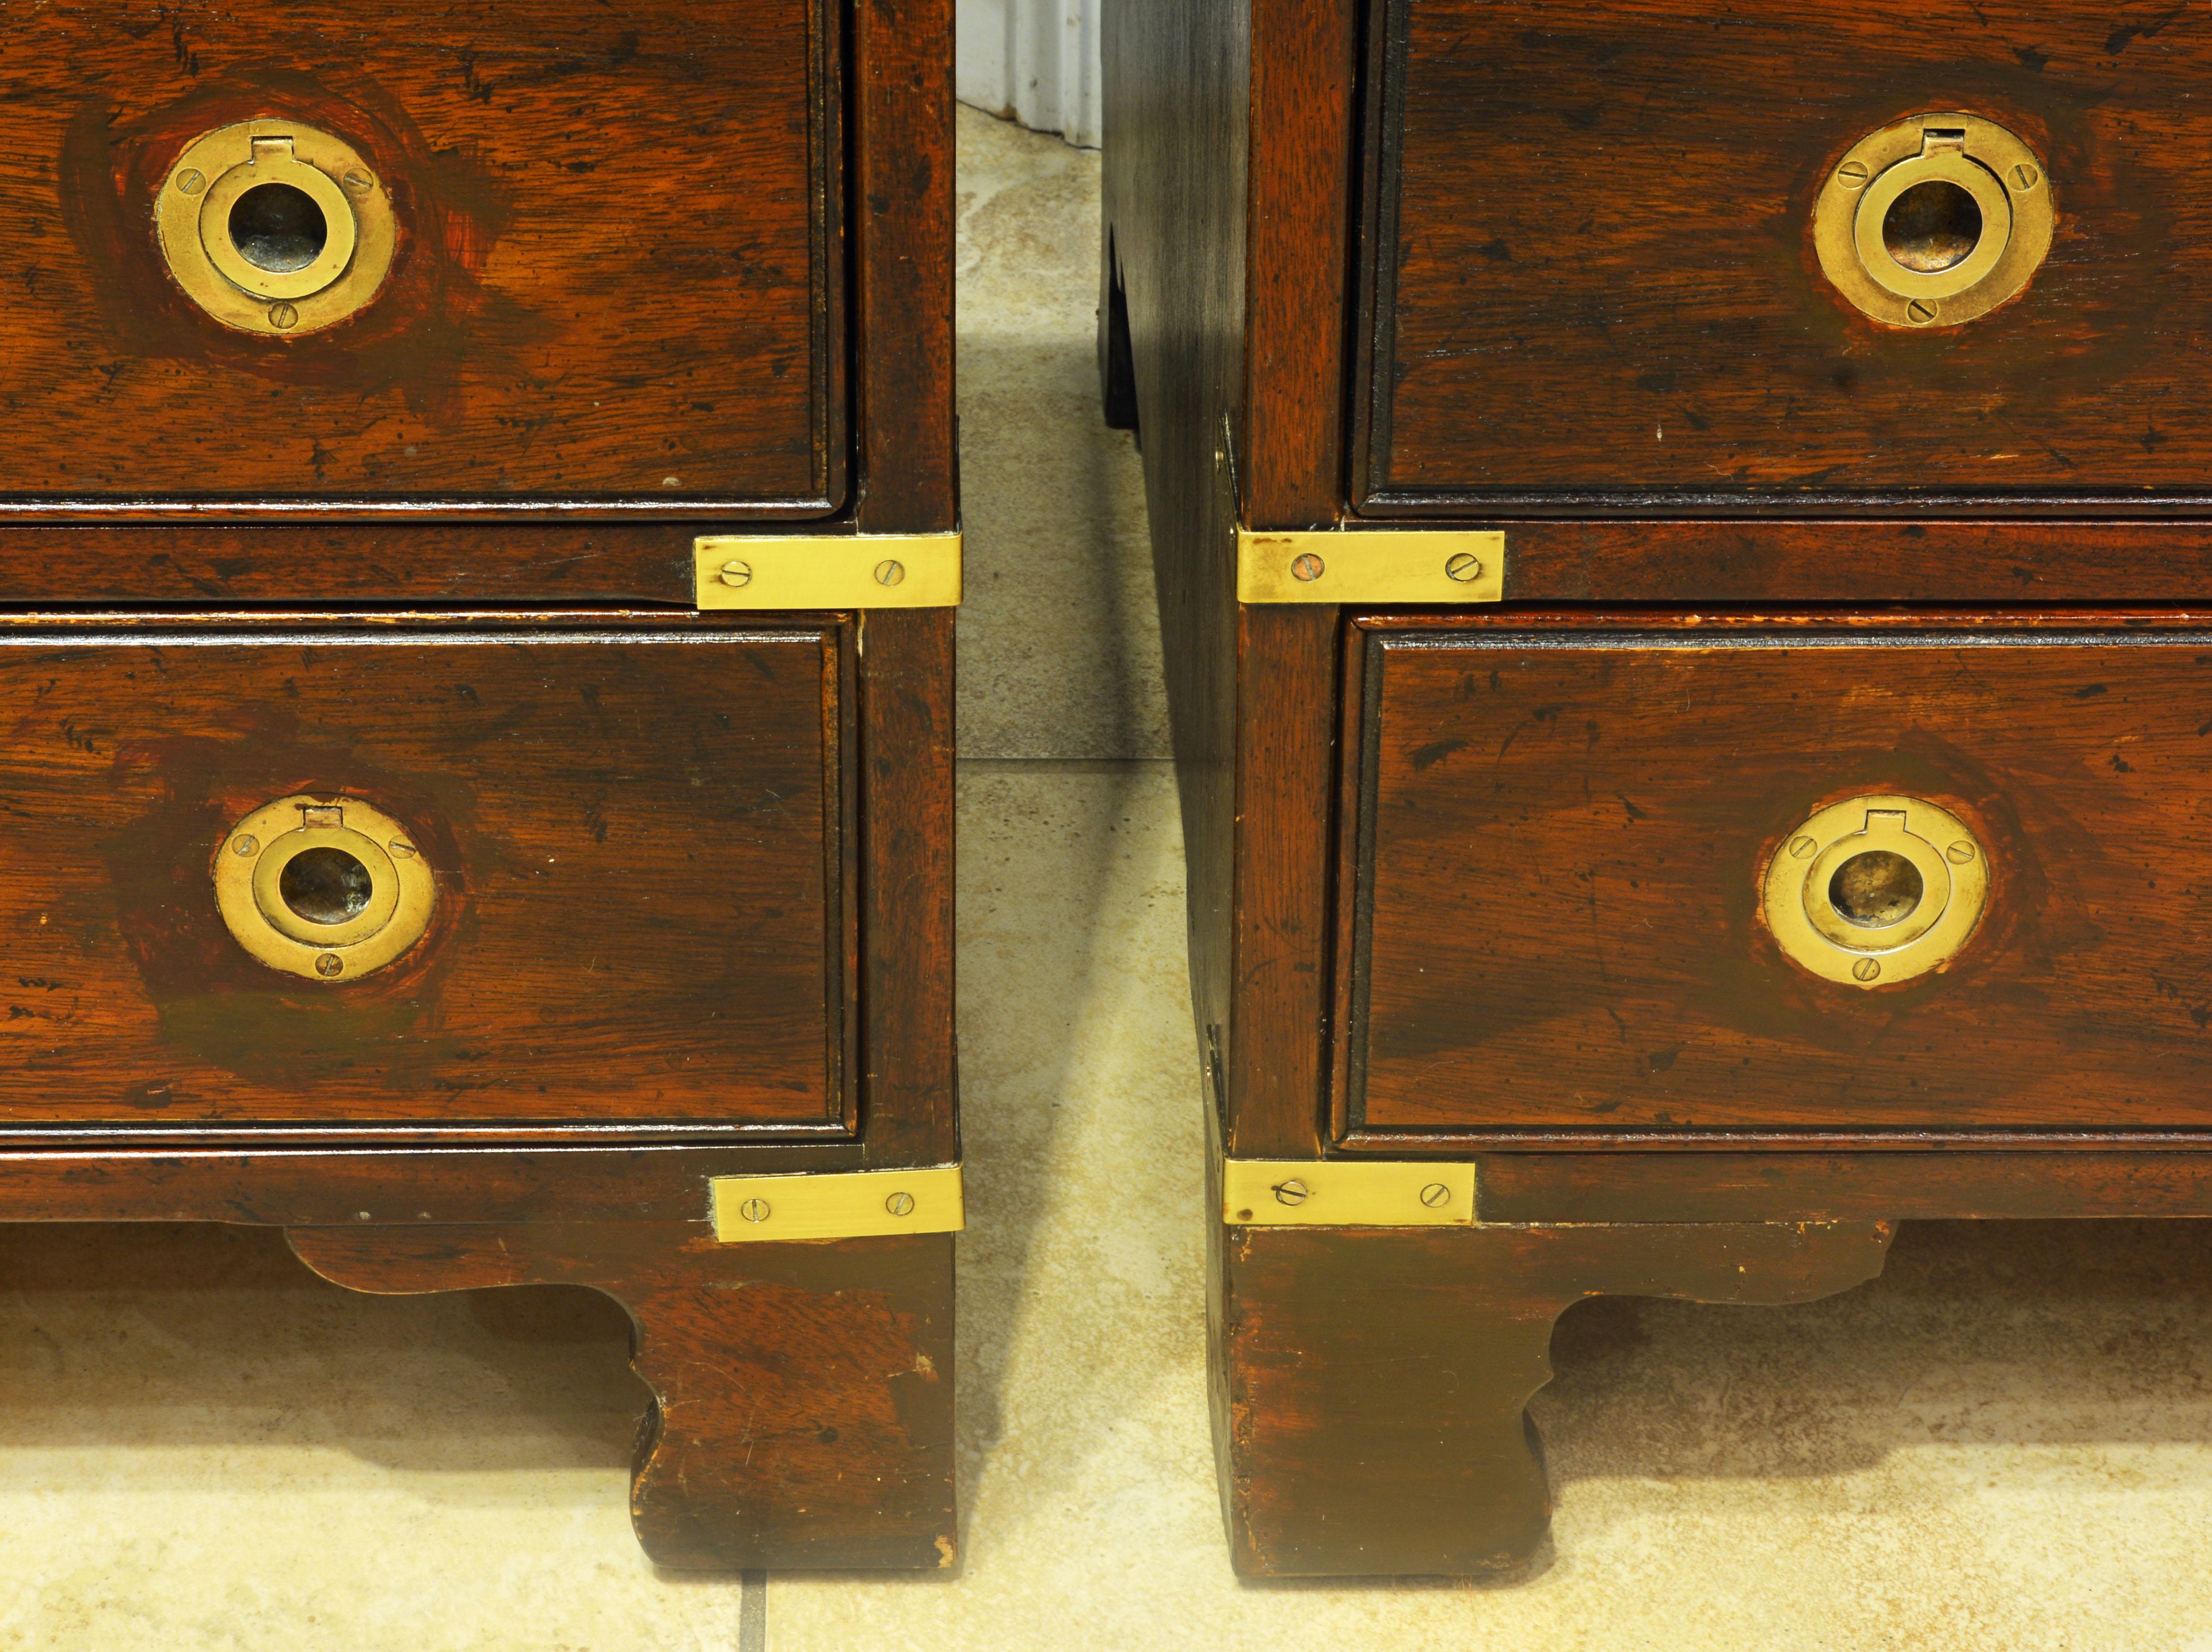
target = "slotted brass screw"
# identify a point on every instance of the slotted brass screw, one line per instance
(735, 573)
(1464, 568)
(754, 1210)
(1291, 1193)
(1307, 568)
(890, 573)
(1436, 1195)
(900, 1204)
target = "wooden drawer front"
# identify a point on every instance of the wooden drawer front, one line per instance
(1556, 922)
(1594, 271)
(635, 833)
(615, 281)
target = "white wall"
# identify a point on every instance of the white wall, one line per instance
(1034, 61)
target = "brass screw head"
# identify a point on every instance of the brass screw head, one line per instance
(1307, 568)
(330, 966)
(1291, 1193)
(890, 573)
(1802, 848)
(1852, 174)
(754, 1210)
(191, 180)
(1464, 568)
(1959, 853)
(246, 843)
(284, 317)
(2024, 177)
(1866, 970)
(1436, 1195)
(735, 573)
(900, 1204)
(1921, 311)
(357, 180)
(405, 851)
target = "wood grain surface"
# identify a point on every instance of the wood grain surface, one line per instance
(637, 828)
(618, 279)
(1591, 270)
(802, 1411)
(1565, 823)
(1376, 1381)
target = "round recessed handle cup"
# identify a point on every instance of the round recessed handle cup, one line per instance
(328, 889)
(1876, 890)
(1934, 221)
(276, 227)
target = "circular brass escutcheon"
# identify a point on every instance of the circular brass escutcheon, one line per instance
(1876, 890)
(1934, 221)
(326, 888)
(275, 227)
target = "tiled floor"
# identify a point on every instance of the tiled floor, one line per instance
(2004, 1443)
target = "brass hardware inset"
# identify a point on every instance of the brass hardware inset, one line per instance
(323, 887)
(839, 1204)
(275, 227)
(826, 570)
(1347, 1193)
(1876, 890)
(1447, 568)
(1934, 221)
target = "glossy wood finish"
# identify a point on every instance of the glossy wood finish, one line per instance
(1376, 1383)
(638, 834)
(619, 280)
(1641, 266)
(802, 1409)
(1556, 882)
(1590, 271)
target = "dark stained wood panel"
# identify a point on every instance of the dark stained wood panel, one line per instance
(637, 833)
(616, 282)
(1564, 825)
(1592, 271)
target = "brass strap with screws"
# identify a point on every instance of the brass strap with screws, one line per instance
(1446, 567)
(826, 571)
(837, 1205)
(1347, 1193)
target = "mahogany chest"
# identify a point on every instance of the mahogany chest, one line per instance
(1682, 544)
(479, 539)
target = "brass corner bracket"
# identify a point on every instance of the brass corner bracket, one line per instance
(1438, 567)
(771, 570)
(1347, 1193)
(837, 1205)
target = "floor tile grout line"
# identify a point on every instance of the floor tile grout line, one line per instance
(752, 1612)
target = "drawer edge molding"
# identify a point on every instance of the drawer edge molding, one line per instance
(1449, 567)
(837, 1205)
(1347, 1193)
(822, 571)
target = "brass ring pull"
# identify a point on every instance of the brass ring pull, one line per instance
(324, 887)
(275, 227)
(1876, 890)
(1934, 221)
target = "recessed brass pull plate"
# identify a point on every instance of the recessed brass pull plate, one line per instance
(1446, 567)
(1876, 890)
(814, 571)
(326, 888)
(276, 227)
(1345, 1193)
(1934, 221)
(839, 1205)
